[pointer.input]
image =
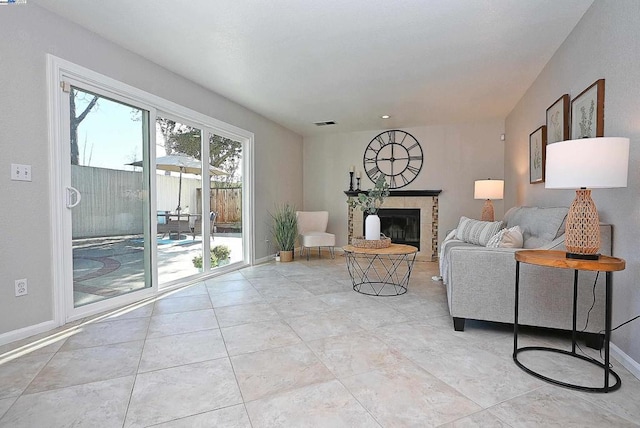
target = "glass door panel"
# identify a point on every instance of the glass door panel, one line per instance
(178, 193)
(225, 158)
(108, 197)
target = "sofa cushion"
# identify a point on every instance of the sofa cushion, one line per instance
(475, 231)
(507, 238)
(539, 226)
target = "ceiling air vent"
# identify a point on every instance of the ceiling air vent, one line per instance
(327, 123)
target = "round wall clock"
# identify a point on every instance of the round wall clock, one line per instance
(395, 154)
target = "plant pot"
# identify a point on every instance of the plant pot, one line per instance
(372, 227)
(286, 256)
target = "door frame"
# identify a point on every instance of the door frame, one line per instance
(57, 71)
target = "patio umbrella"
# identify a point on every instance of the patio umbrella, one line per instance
(182, 164)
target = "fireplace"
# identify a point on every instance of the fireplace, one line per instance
(402, 225)
(424, 203)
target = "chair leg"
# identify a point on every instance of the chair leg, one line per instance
(308, 251)
(319, 252)
(333, 254)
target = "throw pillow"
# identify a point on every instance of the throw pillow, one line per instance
(507, 238)
(451, 235)
(475, 231)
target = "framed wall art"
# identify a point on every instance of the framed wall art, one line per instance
(587, 112)
(537, 154)
(558, 120)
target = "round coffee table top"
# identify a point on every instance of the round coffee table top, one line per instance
(558, 259)
(393, 249)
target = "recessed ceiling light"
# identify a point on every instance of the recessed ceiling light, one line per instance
(385, 116)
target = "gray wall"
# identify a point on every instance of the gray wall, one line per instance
(454, 157)
(27, 34)
(605, 44)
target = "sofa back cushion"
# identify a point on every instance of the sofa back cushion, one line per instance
(539, 225)
(475, 231)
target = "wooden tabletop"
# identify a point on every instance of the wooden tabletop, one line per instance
(559, 259)
(393, 249)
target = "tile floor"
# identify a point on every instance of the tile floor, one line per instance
(291, 345)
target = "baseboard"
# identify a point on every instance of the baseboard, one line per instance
(25, 332)
(267, 259)
(626, 361)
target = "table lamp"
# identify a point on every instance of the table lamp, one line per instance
(488, 189)
(582, 164)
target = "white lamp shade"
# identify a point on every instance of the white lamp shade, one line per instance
(588, 162)
(488, 189)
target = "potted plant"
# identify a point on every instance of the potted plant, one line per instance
(370, 202)
(219, 256)
(285, 230)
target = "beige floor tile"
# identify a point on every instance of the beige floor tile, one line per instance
(143, 311)
(182, 304)
(217, 286)
(371, 317)
(185, 322)
(354, 353)
(479, 375)
(80, 366)
(90, 405)
(180, 349)
(299, 307)
(406, 396)
(39, 344)
(198, 289)
(321, 325)
(5, 403)
(285, 290)
(231, 298)
(483, 419)
(277, 370)
(246, 338)
(16, 375)
(323, 285)
(551, 406)
(107, 333)
(243, 314)
(177, 392)
(229, 417)
(324, 405)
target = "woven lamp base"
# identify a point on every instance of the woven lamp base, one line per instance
(487, 211)
(582, 232)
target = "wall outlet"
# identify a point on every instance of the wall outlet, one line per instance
(21, 287)
(20, 172)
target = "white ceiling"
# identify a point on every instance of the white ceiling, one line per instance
(297, 62)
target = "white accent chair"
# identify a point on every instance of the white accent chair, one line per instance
(312, 231)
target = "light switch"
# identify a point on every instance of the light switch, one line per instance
(20, 172)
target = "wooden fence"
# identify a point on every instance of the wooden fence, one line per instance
(227, 203)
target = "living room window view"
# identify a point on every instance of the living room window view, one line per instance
(413, 214)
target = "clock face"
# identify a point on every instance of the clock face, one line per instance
(395, 154)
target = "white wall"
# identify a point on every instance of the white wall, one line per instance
(605, 44)
(454, 157)
(27, 34)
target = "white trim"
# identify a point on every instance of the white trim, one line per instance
(59, 69)
(626, 361)
(25, 332)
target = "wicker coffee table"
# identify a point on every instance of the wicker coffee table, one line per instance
(380, 271)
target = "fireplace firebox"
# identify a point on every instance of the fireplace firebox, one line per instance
(402, 225)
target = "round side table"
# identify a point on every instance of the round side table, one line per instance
(558, 259)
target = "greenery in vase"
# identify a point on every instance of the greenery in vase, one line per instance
(370, 201)
(285, 227)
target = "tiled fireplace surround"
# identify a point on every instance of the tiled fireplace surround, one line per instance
(425, 200)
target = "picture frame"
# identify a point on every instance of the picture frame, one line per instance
(587, 112)
(558, 120)
(537, 154)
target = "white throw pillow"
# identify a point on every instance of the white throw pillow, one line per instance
(507, 238)
(451, 235)
(475, 231)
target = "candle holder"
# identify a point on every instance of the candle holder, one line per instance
(351, 181)
(358, 184)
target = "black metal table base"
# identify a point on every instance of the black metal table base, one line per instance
(380, 274)
(607, 335)
(613, 387)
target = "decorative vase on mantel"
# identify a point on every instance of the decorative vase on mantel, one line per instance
(372, 227)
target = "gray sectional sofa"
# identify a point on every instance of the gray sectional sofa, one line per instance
(480, 280)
